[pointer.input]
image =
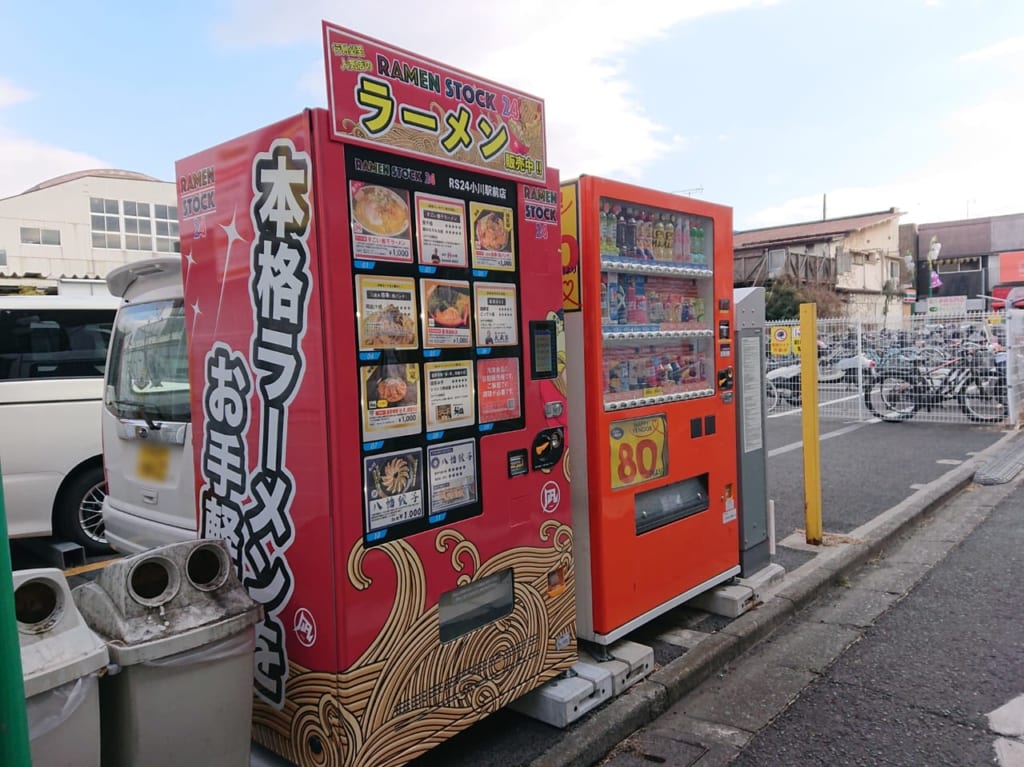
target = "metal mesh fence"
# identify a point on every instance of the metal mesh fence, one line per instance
(939, 368)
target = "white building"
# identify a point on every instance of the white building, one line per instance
(73, 229)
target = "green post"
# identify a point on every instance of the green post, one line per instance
(14, 749)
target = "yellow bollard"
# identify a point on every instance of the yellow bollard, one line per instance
(809, 420)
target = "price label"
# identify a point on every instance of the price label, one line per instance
(638, 450)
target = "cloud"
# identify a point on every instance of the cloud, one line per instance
(11, 93)
(572, 53)
(978, 175)
(1010, 47)
(24, 162)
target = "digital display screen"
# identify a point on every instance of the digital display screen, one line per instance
(544, 361)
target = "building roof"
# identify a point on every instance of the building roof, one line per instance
(50, 277)
(95, 172)
(828, 228)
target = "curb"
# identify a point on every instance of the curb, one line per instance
(640, 705)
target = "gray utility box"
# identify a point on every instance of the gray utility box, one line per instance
(61, 659)
(180, 630)
(752, 456)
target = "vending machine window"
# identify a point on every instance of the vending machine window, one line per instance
(657, 296)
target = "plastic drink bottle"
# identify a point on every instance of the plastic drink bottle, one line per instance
(630, 243)
(605, 214)
(659, 237)
(647, 227)
(680, 245)
(640, 288)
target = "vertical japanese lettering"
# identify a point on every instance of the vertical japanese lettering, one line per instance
(223, 464)
(279, 287)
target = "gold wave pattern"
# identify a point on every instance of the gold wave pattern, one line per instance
(408, 692)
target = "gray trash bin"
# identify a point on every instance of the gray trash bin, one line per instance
(180, 630)
(61, 659)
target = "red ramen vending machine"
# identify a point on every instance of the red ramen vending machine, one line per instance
(650, 345)
(374, 306)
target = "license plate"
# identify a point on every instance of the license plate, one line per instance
(154, 462)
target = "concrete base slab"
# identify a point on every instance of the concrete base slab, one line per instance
(630, 662)
(731, 601)
(763, 578)
(562, 701)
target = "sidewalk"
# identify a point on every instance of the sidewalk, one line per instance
(591, 739)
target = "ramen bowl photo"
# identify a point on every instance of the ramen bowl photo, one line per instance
(491, 233)
(380, 210)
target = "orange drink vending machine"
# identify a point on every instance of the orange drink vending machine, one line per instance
(372, 298)
(647, 288)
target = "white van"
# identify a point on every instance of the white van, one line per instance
(52, 353)
(147, 424)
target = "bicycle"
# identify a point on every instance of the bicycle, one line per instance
(970, 376)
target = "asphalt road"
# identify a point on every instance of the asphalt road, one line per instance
(918, 687)
(866, 469)
(912, 660)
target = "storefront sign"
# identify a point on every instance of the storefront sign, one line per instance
(378, 94)
(947, 304)
(1011, 266)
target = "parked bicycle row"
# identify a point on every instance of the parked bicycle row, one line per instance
(951, 370)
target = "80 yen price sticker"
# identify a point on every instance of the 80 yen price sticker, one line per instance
(638, 450)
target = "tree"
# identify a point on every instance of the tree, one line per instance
(783, 299)
(830, 303)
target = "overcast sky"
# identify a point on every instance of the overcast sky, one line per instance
(763, 105)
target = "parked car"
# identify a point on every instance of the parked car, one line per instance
(147, 423)
(53, 351)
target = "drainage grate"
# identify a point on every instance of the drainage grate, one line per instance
(1001, 470)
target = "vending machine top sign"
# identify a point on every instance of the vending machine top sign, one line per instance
(378, 94)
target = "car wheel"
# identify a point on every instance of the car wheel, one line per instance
(79, 513)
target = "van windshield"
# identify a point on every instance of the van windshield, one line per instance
(147, 377)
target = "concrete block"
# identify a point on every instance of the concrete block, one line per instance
(562, 701)
(639, 662)
(766, 576)
(730, 601)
